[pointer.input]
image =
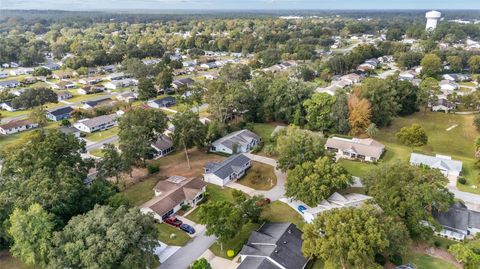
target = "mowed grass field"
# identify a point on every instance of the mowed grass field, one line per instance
(457, 143)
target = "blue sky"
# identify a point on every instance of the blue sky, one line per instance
(238, 4)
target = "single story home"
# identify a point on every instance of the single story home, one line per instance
(95, 103)
(64, 84)
(64, 74)
(336, 200)
(7, 106)
(9, 84)
(445, 164)
(162, 102)
(236, 142)
(70, 130)
(224, 172)
(458, 222)
(407, 75)
(356, 148)
(442, 104)
(162, 146)
(16, 126)
(99, 123)
(64, 95)
(182, 82)
(116, 76)
(446, 85)
(58, 114)
(51, 66)
(91, 89)
(457, 77)
(173, 193)
(4, 74)
(274, 246)
(122, 83)
(127, 97)
(90, 80)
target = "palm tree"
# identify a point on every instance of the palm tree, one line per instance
(372, 130)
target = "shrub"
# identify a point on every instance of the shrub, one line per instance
(437, 244)
(396, 259)
(462, 181)
(152, 169)
(380, 259)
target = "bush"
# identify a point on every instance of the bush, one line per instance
(152, 169)
(462, 180)
(437, 244)
(380, 259)
(396, 259)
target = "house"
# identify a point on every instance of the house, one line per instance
(210, 65)
(64, 95)
(274, 246)
(331, 90)
(90, 81)
(182, 82)
(59, 114)
(91, 89)
(64, 74)
(336, 200)
(122, 83)
(162, 146)
(16, 126)
(162, 102)
(458, 222)
(94, 103)
(236, 142)
(457, 77)
(116, 76)
(28, 80)
(108, 68)
(18, 92)
(447, 85)
(445, 164)
(224, 172)
(64, 84)
(4, 75)
(7, 106)
(51, 66)
(9, 84)
(442, 104)
(172, 194)
(352, 78)
(21, 71)
(70, 130)
(407, 75)
(127, 97)
(99, 123)
(356, 148)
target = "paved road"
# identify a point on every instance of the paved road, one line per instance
(99, 144)
(189, 253)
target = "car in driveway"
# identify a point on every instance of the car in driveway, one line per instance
(187, 228)
(301, 208)
(173, 221)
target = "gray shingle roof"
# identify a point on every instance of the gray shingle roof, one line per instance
(242, 137)
(61, 111)
(458, 217)
(234, 163)
(436, 162)
(367, 147)
(257, 262)
(97, 121)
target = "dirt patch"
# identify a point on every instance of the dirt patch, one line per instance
(436, 252)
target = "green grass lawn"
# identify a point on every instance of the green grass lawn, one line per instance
(214, 193)
(259, 177)
(264, 130)
(141, 192)
(82, 97)
(423, 261)
(468, 83)
(13, 139)
(280, 212)
(236, 243)
(171, 235)
(97, 136)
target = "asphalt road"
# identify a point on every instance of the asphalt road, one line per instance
(100, 143)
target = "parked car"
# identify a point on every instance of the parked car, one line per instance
(301, 208)
(173, 221)
(263, 202)
(187, 228)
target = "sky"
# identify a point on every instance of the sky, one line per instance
(238, 4)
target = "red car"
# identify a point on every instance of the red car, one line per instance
(173, 221)
(263, 202)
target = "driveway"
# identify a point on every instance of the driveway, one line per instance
(95, 145)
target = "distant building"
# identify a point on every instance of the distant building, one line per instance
(162, 102)
(445, 164)
(7, 106)
(226, 171)
(59, 114)
(182, 82)
(70, 130)
(9, 84)
(163, 146)
(432, 19)
(356, 148)
(274, 246)
(16, 126)
(442, 104)
(237, 142)
(458, 222)
(62, 96)
(97, 102)
(99, 123)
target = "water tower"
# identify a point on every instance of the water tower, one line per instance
(432, 19)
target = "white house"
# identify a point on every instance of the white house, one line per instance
(122, 83)
(445, 164)
(446, 85)
(224, 172)
(236, 142)
(442, 104)
(173, 193)
(7, 106)
(9, 84)
(356, 148)
(16, 126)
(99, 123)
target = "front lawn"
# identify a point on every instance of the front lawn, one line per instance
(280, 212)
(214, 193)
(142, 191)
(259, 177)
(172, 236)
(101, 135)
(424, 261)
(264, 130)
(236, 243)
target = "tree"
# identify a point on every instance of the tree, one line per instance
(319, 109)
(31, 231)
(297, 146)
(269, 57)
(359, 114)
(41, 71)
(201, 263)
(413, 136)
(65, 123)
(34, 97)
(431, 65)
(234, 72)
(112, 164)
(312, 182)
(372, 130)
(146, 89)
(135, 67)
(189, 132)
(405, 95)
(382, 100)
(37, 115)
(106, 238)
(139, 128)
(305, 73)
(455, 62)
(428, 92)
(164, 78)
(340, 113)
(409, 193)
(222, 219)
(467, 253)
(249, 205)
(474, 63)
(334, 235)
